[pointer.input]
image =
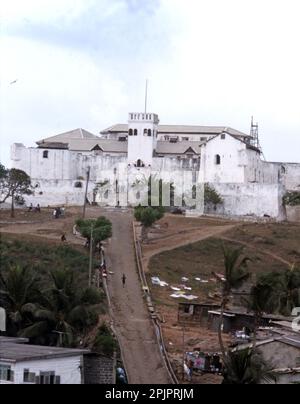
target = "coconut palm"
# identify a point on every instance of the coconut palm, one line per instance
(18, 288)
(283, 290)
(65, 312)
(246, 367)
(258, 303)
(236, 274)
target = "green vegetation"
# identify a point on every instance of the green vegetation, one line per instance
(279, 291)
(101, 229)
(147, 216)
(211, 196)
(14, 184)
(246, 367)
(235, 274)
(105, 342)
(292, 198)
(43, 290)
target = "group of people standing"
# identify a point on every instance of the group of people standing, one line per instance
(36, 209)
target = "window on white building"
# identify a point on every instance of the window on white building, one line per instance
(29, 377)
(47, 378)
(149, 132)
(135, 132)
(218, 160)
(130, 132)
(45, 154)
(6, 374)
(223, 136)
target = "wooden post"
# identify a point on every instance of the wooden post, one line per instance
(91, 257)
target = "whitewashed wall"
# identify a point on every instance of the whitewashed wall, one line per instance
(69, 369)
(233, 161)
(256, 200)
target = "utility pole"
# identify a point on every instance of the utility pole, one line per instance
(146, 97)
(86, 191)
(91, 256)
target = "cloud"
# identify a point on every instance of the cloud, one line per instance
(84, 63)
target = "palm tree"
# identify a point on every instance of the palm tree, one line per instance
(17, 289)
(283, 290)
(258, 303)
(236, 274)
(65, 312)
(246, 367)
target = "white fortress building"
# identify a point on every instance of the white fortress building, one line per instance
(227, 159)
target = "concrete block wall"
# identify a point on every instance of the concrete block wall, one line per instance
(99, 370)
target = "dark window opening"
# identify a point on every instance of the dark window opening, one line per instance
(130, 132)
(6, 374)
(135, 132)
(45, 154)
(218, 160)
(223, 136)
(149, 132)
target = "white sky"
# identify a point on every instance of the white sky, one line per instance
(83, 63)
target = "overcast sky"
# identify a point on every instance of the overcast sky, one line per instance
(83, 63)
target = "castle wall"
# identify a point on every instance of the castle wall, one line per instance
(252, 200)
(232, 155)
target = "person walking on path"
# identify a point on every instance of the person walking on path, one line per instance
(124, 280)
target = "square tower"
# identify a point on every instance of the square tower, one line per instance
(142, 138)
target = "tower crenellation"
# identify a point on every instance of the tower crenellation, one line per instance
(142, 138)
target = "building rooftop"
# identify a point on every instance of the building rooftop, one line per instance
(179, 147)
(181, 129)
(67, 136)
(5, 340)
(116, 146)
(292, 340)
(11, 351)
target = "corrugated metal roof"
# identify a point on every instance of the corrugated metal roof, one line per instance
(181, 129)
(67, 136)
(115, 146)
(11, 352)
(107, 145)
(178, 148)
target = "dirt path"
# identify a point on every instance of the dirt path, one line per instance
(253, 247)
(181, 239)
(132, 322)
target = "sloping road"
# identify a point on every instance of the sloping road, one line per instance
(131, 319)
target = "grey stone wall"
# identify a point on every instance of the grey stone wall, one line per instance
(99, 370)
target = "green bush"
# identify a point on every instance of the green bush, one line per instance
(211, 196)
(292, 199)
(148, 216)
(102, 228)
(105, 342)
